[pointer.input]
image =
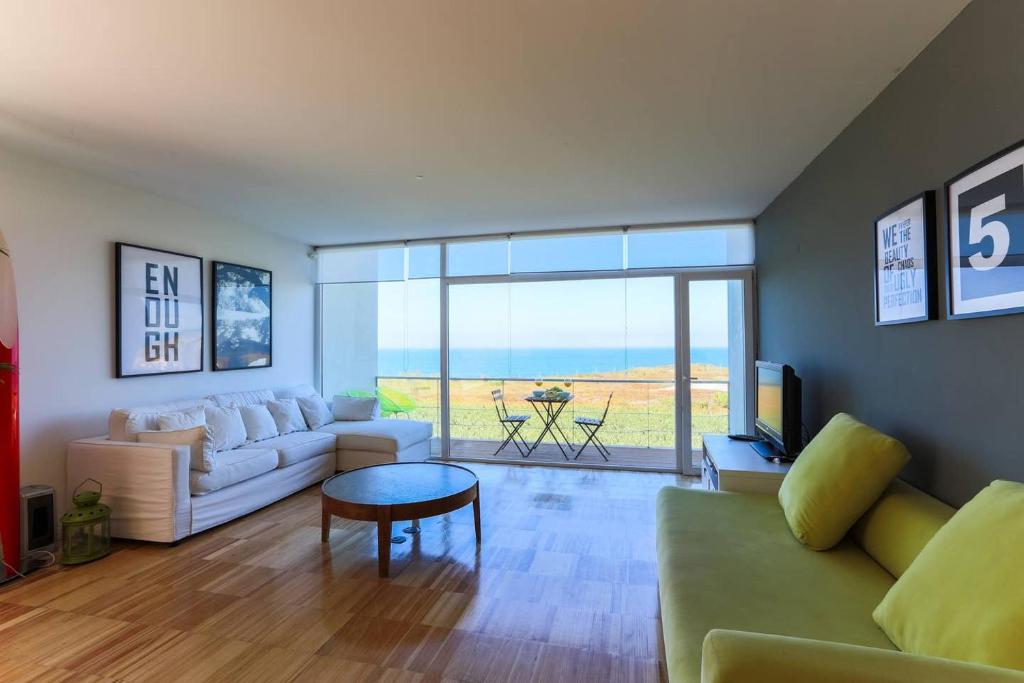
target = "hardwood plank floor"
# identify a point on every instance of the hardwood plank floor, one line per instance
(563, 588)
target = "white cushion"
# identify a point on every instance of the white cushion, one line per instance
(296, 391)
(242, 398)
(382, 436)
(354, 408)
(186, 419)
(141, 422)
(287, 415)
(226, 427)
(297, 446)
(259, 423)
(196, 438)
(145, 417)
(315, 410)
(233, 467)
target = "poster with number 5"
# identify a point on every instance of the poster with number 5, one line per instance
(985, 233)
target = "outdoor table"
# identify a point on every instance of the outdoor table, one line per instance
(548, 409)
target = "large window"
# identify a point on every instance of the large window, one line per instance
(383, 336)
(599, 313)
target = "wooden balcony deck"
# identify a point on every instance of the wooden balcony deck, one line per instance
(622, 457)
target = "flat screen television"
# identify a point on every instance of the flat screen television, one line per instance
(778, 419)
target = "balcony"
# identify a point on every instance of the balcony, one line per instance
(639, 431)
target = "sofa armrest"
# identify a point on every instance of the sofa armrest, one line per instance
(145, 485)
(741, 657)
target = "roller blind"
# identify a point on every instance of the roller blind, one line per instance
(690, 246)
(567, 252)
(633, 248)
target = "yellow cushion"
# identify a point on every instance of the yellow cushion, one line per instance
(963, 596)
(840, 473)
(899, 525)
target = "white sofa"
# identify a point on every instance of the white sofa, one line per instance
(154, 496)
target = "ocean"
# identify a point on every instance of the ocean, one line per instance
(536, 362)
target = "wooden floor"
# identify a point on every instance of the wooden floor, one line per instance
(564, 588)
(621, 456)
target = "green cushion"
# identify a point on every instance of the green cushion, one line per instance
(728, 560)
(899, 525)
(963, 596)
(837, 477)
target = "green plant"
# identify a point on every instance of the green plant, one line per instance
(392, 401)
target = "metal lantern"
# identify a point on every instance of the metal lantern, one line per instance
(87, 527)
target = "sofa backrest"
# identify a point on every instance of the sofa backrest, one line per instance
(899, 525)
(118, 421)
(296, 391)
(254, 397)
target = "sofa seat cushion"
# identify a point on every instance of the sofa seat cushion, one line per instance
(296, 447)
(379, 436)
(233, 467)
(729, 560)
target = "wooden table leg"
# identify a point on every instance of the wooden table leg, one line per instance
(325, 525)
(383, 541)
(476, 515)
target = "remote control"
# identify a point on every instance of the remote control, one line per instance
(744, 437)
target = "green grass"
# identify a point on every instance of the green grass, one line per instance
(641, 415)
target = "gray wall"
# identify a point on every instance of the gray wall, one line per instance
(950, 389)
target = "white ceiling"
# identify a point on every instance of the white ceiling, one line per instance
(314, 118)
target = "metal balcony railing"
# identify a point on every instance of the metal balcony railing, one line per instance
(644, 420)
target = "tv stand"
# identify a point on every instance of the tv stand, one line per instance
(732, 466)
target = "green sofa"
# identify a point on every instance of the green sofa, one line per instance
(743, 600)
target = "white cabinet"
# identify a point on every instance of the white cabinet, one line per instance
(735, 466)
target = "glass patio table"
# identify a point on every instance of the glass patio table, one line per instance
(548, 408)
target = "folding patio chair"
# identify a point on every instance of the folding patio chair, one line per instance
(590, 427)
(512, 425)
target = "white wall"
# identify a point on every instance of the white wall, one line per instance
(61, 226)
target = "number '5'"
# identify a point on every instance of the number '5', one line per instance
(996, 230)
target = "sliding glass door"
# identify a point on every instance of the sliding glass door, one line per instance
(607, 342)
(715, 317)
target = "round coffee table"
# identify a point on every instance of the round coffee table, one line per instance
(397, 491)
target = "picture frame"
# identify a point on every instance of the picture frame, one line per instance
(905, 284)
(158, 310)
(243, 321)
(985, 237)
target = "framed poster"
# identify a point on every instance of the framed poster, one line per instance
(985, 237)
(159, 311)
(242, 317)
(905, 288)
